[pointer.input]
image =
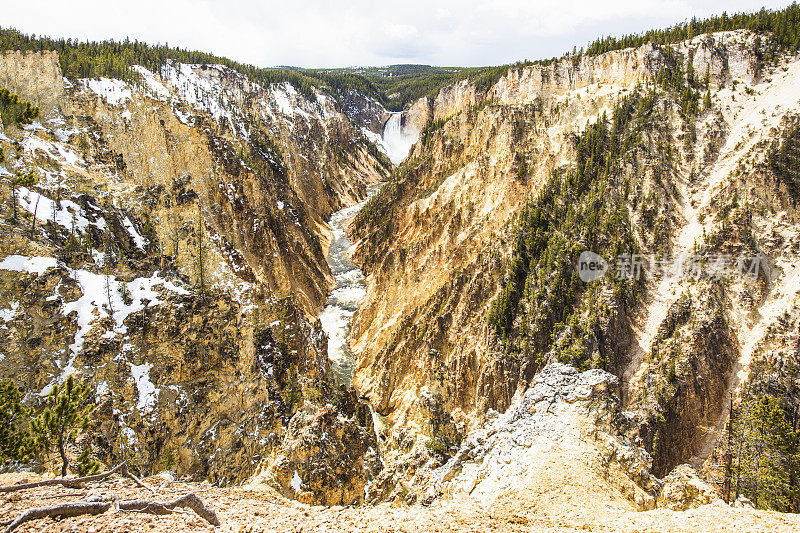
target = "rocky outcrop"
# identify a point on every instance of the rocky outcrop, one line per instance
(563, 413)
(326, 458)
(419, 114)
(453, 99)
(683, 490)
(364, 111)
(725, 56)
(34, 76)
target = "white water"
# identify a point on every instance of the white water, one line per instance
(350, 285)
(350, 288)
(398, 139)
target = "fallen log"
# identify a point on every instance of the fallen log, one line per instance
(72, 483)
(189, 501)
(69, 510)
(64, 510)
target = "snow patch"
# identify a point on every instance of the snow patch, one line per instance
(296, 482)
(67, 214)
(54, 150)
(6, 315)
(115, 92)
(148, 393)
(33, 265)
(137, 238)
(102, 296)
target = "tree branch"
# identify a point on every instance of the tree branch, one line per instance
(64, 510)
(136, 480)
(68, 510)
(65, 482)
(189, 501)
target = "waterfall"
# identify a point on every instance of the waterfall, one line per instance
(398, 139)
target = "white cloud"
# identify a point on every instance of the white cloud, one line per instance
(360, 32)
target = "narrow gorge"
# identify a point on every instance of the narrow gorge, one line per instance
(557, 295)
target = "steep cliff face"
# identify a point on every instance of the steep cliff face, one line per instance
(35, 75)
(171, 252)
(248, 159)
(437, 244)
(433, 266)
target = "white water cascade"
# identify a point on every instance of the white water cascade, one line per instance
(397, 138)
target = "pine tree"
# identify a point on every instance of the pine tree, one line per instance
(28, 179)
(200, 254)
(765, 451)
(66, 414)
(15, 441)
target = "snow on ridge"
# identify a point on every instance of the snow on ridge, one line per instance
(281, 97)
(154, 87)
(115, 92)
(202, 88)
(199, 91)
(68, 214)
(288, 100)
(103, 296)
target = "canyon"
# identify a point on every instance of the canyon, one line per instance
(284, 297)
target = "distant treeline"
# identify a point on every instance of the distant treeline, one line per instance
(113, 59)
(394, 86)
(783, 25)
(398, 85)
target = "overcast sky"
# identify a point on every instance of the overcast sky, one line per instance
(327, 33)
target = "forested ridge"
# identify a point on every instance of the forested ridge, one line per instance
(394, 86)
(783, 25)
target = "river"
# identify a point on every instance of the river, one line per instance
(350, 288)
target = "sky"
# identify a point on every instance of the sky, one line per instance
(326, 33)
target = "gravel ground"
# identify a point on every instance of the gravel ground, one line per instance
(557, 503)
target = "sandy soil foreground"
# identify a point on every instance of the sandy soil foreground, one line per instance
(260, 508)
